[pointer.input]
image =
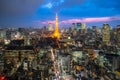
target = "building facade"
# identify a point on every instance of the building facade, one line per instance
(118, 35)
(106, 34)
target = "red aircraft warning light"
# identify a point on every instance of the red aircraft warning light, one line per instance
(2, 77)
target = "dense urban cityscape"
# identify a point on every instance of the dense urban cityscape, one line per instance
(59, 39)
(50, 53)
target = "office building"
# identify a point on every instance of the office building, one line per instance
(106, 34)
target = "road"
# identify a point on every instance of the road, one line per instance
(61, 66)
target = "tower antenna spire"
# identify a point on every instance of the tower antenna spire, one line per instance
(56, 31)
(56, 14)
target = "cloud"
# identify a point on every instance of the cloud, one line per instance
(84, 20)
(70, 11)
(57, 5)
(48, 5)
(18, 7)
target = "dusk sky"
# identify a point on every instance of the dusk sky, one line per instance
(28, 13)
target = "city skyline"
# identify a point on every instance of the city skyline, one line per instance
(41, 12)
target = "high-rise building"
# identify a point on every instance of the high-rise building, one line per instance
(79, 26)
(73, 26)
(50, 27)
(21, 31)
(8, 34)
(94, 28)
(106, 34)
(118, 35)
(3, 34)
(26, 40)
(84, 28)
(98, 30)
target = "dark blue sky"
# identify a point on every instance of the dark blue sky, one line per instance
(18, 13)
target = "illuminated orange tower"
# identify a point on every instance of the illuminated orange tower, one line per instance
(56, 33)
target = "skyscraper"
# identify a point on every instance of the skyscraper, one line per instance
(73, 26)
(26, 38)
(106, 34)
(118, 35)
(79, 26)
(50, 27)
(83, 26)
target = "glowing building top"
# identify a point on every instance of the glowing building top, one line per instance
(56, 33)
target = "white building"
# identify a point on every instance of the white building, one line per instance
(50, 27)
